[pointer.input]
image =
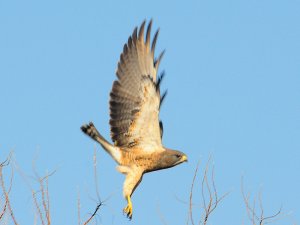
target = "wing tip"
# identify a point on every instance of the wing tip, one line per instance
(158, 60)
(141, 31)
(154, 42)
(148, 33)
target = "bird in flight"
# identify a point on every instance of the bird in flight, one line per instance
(135, 101)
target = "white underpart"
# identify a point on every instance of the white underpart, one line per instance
(146, 124)
(133, 178)
(116, 154)
(114, 151)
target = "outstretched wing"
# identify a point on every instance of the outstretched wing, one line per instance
(135, 97)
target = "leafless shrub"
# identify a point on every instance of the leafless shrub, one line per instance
(256, 213)
(41, 199)
(209, 194)
(209, 197)
(40, 196)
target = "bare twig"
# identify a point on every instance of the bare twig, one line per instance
(95, 173)
(44, 212)
(44, 201)
(97, 192)
(2, 212)
(3, 164)
(190, 217)
(48, 199)
(212, 194)
(6, 161)
(38, 208)
(209, 202)
(7, 204)
(94, 213)
(252, 213)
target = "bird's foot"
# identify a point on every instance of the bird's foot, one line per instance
(128, 209)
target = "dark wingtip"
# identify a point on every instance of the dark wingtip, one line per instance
(148, 33)
(158, 60)
(134, 34)
(159, 80)
(154, 42)
(151, 20)
(163, 98)
(141, 31)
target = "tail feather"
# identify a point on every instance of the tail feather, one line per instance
(91, 131)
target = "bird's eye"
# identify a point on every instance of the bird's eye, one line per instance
(178, 156)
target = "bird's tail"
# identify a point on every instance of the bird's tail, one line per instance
(91, 131)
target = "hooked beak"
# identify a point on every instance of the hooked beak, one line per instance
(184, 158)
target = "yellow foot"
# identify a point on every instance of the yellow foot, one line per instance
(128, 208)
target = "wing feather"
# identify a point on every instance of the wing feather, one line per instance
(135, 95)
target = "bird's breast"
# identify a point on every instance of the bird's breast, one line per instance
(139, 159)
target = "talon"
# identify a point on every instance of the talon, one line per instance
(128, 208)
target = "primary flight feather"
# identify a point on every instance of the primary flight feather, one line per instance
(135, 100)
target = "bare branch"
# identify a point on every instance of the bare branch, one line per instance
(36, 204)
(191, 196)
(97, 191)
(260, 219)
(48, 199)
(6, 161)
(3, 164)
(208, 187)
(274, 215)
(44, 212)
(2, 212)
(213, 195)
(202, 187)
(250, 212)
(43, 198)
(95, 173)
(94, 213)
(6, 193)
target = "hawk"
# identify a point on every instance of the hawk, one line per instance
(135, 101)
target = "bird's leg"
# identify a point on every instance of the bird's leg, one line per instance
(128, 208)
(133, 178)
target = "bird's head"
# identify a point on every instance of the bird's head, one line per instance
(170, 158)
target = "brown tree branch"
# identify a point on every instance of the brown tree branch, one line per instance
(212, 194)
(7, 204)
(191, 196)
(252, 213)
(97, 191)
(209, 202)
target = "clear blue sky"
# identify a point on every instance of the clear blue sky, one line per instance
(233, 79)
